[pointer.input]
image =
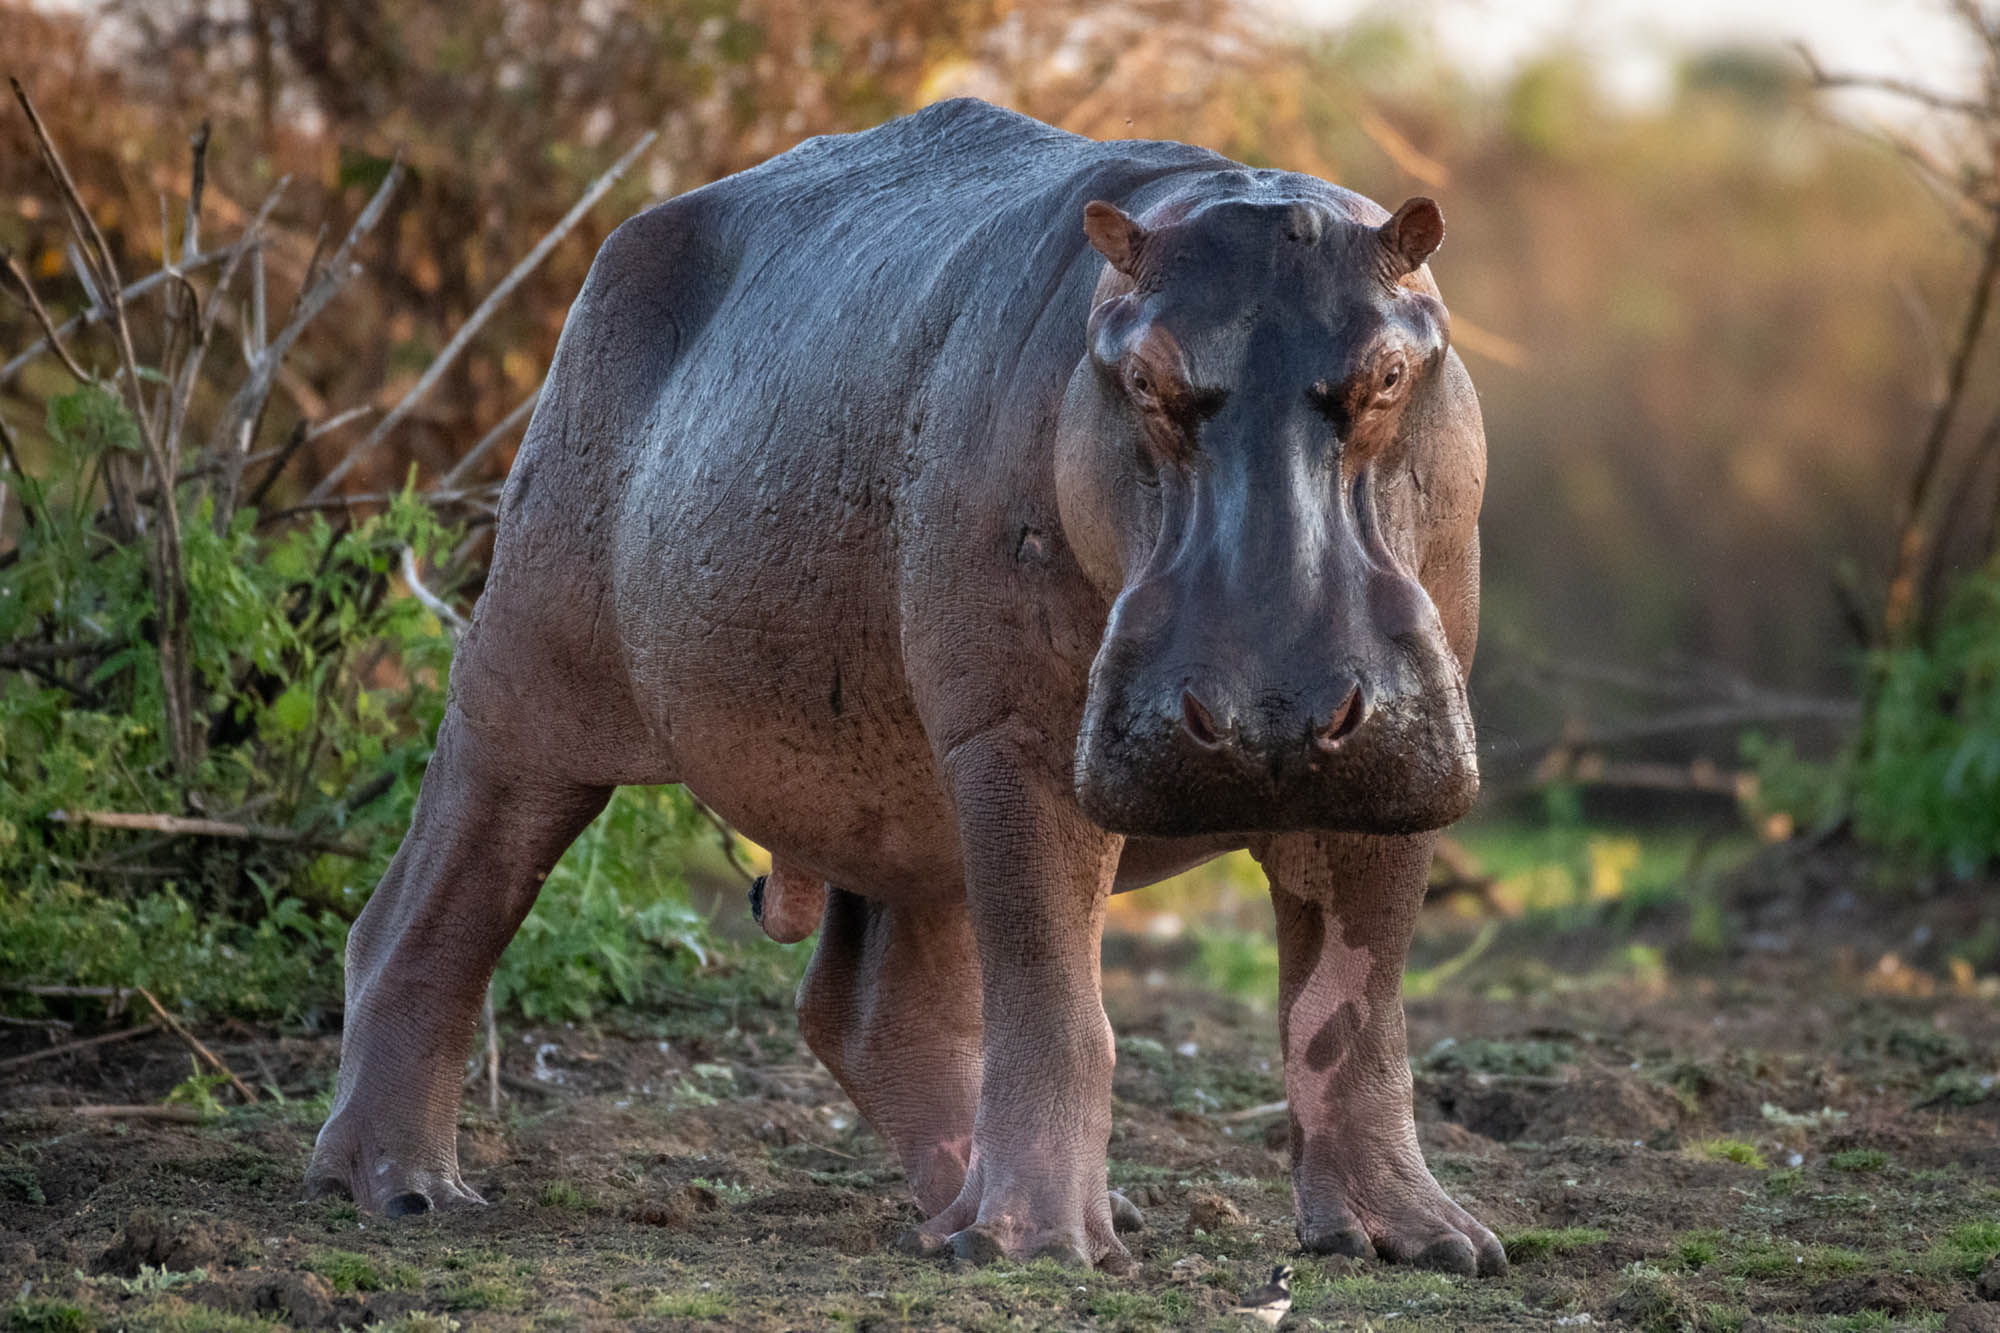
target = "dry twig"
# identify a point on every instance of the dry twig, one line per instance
(82, 1043)
(435, 371)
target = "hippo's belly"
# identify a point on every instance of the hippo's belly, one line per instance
(756, 610)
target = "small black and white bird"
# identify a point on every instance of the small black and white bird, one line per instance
(1271, 1301)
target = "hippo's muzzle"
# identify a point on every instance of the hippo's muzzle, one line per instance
(1293, 678)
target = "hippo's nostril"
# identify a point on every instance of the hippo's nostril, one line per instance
(407, 1205)
(1200, 723)
(1346, 718)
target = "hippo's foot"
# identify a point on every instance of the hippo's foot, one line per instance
(395, 1176)
(1399, 1215)
(991, 1222)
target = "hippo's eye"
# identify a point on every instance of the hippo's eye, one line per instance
(1392, 376)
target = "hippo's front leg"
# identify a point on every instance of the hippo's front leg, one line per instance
(1346, 906)
(1037, 875)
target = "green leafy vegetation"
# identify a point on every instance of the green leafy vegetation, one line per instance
(214, 719)
(1929, 777)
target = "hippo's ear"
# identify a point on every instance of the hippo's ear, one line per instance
(1114, 235)
(1411, 235)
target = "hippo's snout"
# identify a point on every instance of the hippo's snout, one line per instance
(1175, 753)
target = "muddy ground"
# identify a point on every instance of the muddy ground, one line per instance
(1795, 1128)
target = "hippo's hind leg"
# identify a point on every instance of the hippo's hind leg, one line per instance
(890, 1004)
(489, 826)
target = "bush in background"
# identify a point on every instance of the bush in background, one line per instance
(1930, 780)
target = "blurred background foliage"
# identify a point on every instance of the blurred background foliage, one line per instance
(1707, 331)
(1699, 329)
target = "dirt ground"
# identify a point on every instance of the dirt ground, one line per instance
(1795, 1129)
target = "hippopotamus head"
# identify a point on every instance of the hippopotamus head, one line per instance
(1241, 465)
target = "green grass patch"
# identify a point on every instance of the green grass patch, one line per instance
(1697, 1249)
(562, 1194)
(1536, 1243)
(1967, 1248)
(482, 1294)
(1775, 1260)
(348, 1271)
(39, 1314)
(1730, 1150)
(690, 1305)
(1859, 1159)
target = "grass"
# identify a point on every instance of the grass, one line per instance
(689, 1305)
(1536, 1243)
(1730, 1150)
(1968, 1248)
(35, 1314)
(1698, 1249)
(562, 1194)
(348, 1272)
(1859, 1159)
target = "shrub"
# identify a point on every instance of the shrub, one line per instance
(1929, 779)
(213, 720)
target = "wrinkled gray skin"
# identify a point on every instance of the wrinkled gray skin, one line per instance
(981, 555)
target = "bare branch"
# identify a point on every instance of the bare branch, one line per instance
(51, 335)
(93, 316)
(231, 440)
(1824, 78)
(459, 340)
(163, 551)
(16, 656)
(453, 622)
(1908, 561)
(506, 427)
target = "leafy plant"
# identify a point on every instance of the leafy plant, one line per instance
(214, 716)
(1930, 779)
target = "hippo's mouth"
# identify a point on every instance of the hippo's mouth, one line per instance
(1146, 768)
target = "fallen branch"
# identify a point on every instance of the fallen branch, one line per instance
(82, 1043)
(180, 826)
(16, 656)
(180, 1115)
(194, 1044)
(459, 340)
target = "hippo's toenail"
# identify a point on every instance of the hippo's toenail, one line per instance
(1349, 1240)
(1064, 1253)
(407, 1205)
(977, 1246)
(1449, 1254)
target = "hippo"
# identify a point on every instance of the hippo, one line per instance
(985, 520)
